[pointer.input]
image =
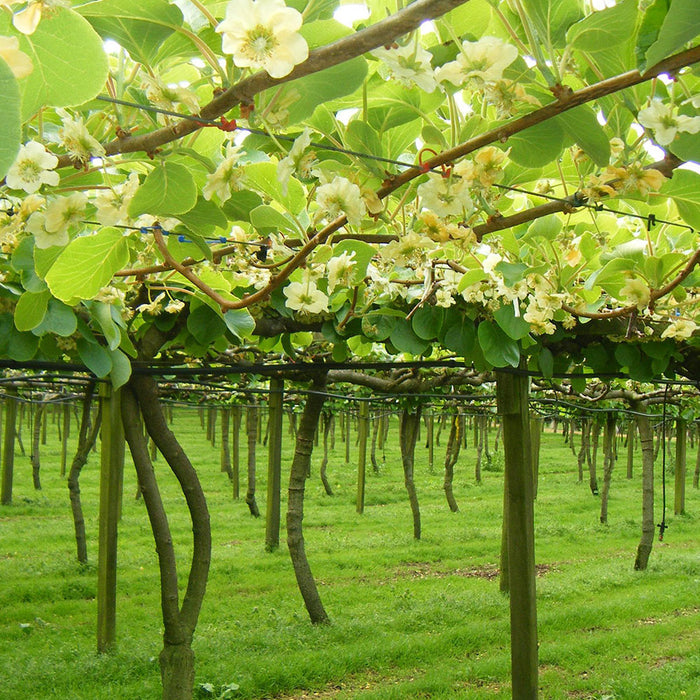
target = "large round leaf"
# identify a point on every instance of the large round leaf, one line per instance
(70, 65)
(168, 190)
(9, 118)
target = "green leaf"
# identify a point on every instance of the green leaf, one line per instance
(552, 18)
(499, 350)
(59, 320)
(460, 336)
(96, 358)
(684, 189)
(9, 118)
(405, 340)
(316, 89)
(582, 126)
(121, 368)
(537, 146)
(512, 272)
(361, 137)
(547, 227)
(204, 218)
(649, 30)
(263, 178)
(679, 27)
(267, 219)
(103, 314)
(545, 360)
(140, 26)
(168, 190)
(240, 323)
(378, 325)
(427, 321)
(205, 324)
(513, 326)
(31, 309)
(87, 264)
(604, 29)
(62, 75)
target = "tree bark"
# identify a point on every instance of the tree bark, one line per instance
(251, 425)
(87, 436)
(225, 442)
(373, 450)
(696, 475)
(295, 505)
(362, 425)
(65, 434)
(630, 448)
(274, 464)
(326, 423)
(236, 452)
(609, 462)
(679, 483)
(593, 463)
(36, 440)
(410, 422)
(454, 443)
(177, 657)
(646, 441)
(479, 443)
(584, 451)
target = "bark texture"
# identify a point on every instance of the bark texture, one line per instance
(646, 441)
(295, 504)
(454, 443)
(87, 436)
(410, 423)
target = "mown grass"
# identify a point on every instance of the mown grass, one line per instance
(409, 619)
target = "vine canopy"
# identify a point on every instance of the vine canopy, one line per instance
(498, 180)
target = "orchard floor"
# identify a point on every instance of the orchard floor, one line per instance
(410, 619)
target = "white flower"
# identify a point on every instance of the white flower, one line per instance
(490, 261)
(341, 270)
(19, 63)
(27, 20)
(174, 306)
(680, 329)
(408, 64)
(289, 165)
(43, 238)
(263, 34)
(445, 196)
(341, 197)
(636, 292)
(112, 205)
(665, 123)
(76, 139)
(64, 211)
(226, 178)
(484, 60)
(306, 297)
(32, 168)
(169, 96)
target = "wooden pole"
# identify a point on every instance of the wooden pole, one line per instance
(8, 449)
(111, 477)
(511, 396)
(362, 427)
(274, 464)
(65, 433)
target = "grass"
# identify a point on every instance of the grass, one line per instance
(409, 619)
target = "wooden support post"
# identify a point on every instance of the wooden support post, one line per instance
(8, 448)
(274, 464)
(511, 396)
(111, 476)
(362, 428)
(679, 490)
(236, 452)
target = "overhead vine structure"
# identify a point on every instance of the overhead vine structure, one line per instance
(259, 179)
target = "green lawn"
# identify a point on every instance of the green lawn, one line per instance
(409, 619)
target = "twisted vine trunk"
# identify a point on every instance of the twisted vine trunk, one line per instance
(609, 462)
(646, 441)
(36, 439)
(410, 423)
(252, 434)
(140, 400)
(324, 463)
(295, 504)
(454, 443)
(87, 436)
(593, 463)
